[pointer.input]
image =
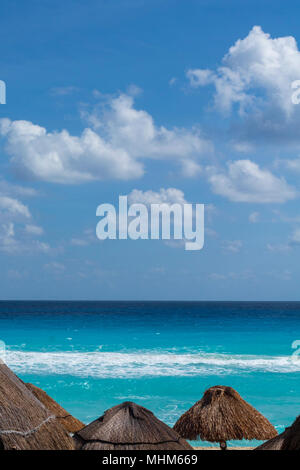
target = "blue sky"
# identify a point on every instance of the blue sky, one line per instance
(108, 97)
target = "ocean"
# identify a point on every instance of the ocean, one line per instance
(90, 356)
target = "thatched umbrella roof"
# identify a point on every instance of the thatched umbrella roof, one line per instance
(222, 415)
(287, 440)
(25, 423)
(71, 424)
(129, 427)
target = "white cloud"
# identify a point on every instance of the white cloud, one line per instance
(167, 196)
(279, 248)
(8, 243)
(13, 207)
(190, 168)
(16, 227)
(11, 243)
(10, 189)
(61, 158)
(86, 239)
(246, 275)
(39, 246)
(217, 277)
(292, 242)
(234, 246)
(55, 266)
(245, 181)
(79, 242)
(257, 62)
(64, 90)
(291, 164)
(121, 138)
(172, 81)
(295, 237)
(282, 217)
(283, 275)
(175, 243)
(255, 78)
(135, 131)
(200, 77)
(254, 217)
(34, 230)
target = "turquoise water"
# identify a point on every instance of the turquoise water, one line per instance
(92, 355)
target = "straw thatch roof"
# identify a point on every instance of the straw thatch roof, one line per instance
(222, 415)
(129, 427)
(25, 423)
(287, 440)
(71, 424)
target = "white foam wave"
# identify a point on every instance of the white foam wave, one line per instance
(133, 365)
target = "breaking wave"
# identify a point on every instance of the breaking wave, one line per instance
(136, 365)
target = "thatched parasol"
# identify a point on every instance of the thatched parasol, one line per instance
(128, 427)
(25, 423)
(222, 415)
(71, 424)
(287, 440)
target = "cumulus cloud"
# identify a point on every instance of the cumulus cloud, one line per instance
(7, 238)
(114, 147)
(255, 78)
(12, 243)
(59, 157)
(255, 62)
(190, 168)
(16, 222)
(292, 242)
(245, 181)
(201, 77)
(167, 196)
(13, 207)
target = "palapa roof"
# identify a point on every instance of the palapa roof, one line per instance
(222, 415)
(70, 423)
(25, 423)
(287, 440)
(129, 426)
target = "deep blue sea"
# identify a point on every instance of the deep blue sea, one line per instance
(90, 356)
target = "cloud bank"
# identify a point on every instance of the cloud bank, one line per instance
(114, 147)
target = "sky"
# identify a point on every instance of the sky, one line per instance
(176, 101)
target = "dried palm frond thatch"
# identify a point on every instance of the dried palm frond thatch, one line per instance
(71, 424)
(128, 427)
(222, 415)
(25, 423)
(287, 440)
